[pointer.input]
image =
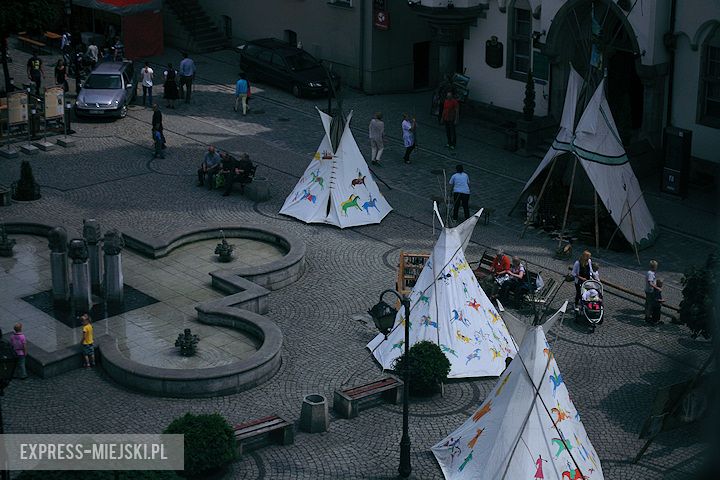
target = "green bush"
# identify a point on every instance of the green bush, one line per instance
(209, 443)
(697, 309)
(97, 475)
(427, 364)
(26, 188)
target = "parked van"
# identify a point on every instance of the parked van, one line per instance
(108, 90)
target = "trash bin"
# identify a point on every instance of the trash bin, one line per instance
(511, 140)
(4, 196)
(314, 414)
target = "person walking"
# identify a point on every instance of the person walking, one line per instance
(88, 347)
(242, 90)
(582, 270)
(19, 344)
(450, 117)
(377, 135)
(157, 144)
(170, 88)
(651, 289)
(146, 75)
(35, 71)
(409, 126)
(157, 122)
(92, 53)
(61, 75)
(461, 192)
(187, 75)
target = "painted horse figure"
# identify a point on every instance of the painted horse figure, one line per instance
(360, 180)
(349, 203)
(573, 474)
(318, 179)
(310, 197)
(372, 203)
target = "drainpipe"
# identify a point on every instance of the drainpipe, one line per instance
(670, 41)
(361, 51)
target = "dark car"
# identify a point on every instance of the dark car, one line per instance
(278, 63)
(107, 91)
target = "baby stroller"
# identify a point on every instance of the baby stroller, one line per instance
(591, 304)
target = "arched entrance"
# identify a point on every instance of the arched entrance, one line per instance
(570, 40)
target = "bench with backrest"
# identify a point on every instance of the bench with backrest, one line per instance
(263, 431)
(30, 42)
(348, 403)
(484, 264)
(542, 295)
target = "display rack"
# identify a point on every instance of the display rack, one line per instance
(409, 268)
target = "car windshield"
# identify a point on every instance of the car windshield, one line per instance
(103, 82)
(301, 61)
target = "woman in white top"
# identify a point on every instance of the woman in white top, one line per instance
(408, 128)
(146, 75)
(461, 192)
(377, 133)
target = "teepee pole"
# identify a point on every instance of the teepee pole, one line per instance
(597, 229)
(567, 204)
(540, 195)
(632, 226)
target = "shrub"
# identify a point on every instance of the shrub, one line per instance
(427, 365)
(209, 443)
(26, 188)
(697, 309)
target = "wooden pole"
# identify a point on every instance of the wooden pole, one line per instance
(632, 226)
(567, 204)
(597, 229)
(542, 191)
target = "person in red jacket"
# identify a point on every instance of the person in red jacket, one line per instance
(450, 117)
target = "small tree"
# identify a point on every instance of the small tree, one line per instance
(697, 308)
(209, 443)
(427, 367)
(26, 188)
(529, 101)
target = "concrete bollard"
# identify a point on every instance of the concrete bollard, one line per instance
(314, 414)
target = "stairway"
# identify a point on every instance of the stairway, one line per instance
(203, 34)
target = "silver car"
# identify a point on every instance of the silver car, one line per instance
(107, 91)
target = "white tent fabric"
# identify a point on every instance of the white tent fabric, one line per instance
(337, 187)
(527, 427)
(449, 308)
(596, 144)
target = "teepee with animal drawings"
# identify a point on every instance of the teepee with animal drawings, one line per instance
(337, 187)
(448, 307)
(527, 427)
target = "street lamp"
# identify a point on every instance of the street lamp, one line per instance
(8, 362)
(383, 316)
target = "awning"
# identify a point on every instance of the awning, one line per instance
(121, 7)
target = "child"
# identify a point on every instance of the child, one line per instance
(158, 141)
(87, 342)
(19, 344)
(657, 303)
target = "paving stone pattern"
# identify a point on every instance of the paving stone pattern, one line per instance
(612, 374)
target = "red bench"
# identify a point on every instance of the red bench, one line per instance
(263, 431)
(347, 403)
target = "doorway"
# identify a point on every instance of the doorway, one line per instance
(226, 23)
(291, 37)
(421, 65)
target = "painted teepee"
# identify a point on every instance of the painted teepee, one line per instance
(337, 187)
(527, 427)
(449, 308)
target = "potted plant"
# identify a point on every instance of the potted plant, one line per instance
(209, 444)
(697, 309)
(427, 367)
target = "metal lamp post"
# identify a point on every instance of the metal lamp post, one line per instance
(383, 316)
(8, 362)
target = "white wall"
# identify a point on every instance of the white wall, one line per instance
(691, 15)
(491, 85)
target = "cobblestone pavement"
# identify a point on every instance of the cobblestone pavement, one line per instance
(612, 374)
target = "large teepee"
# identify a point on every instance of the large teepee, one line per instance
(337, 187)
(449, 308)
(527, 427)
(595, 144)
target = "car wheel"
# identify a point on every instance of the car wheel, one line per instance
(296, 90)
(123, 111)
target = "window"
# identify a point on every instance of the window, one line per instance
(265, 56)
(278, 62)
(341, 3)
(520, 35)
(709, 91)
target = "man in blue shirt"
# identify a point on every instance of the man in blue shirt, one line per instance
(187, 74)
(242, 90)
(461, 192)
(210, 166)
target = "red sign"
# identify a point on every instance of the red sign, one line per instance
(381, 16)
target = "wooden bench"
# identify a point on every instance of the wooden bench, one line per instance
(258, 433)
(30, 42)
(483, 268)
(544, 294)
(347, 403)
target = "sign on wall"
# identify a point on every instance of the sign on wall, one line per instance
(494, 52)
(17, 108)
(381, 16)
(54, 102)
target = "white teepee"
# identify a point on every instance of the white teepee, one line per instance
(596, 145)
(449, 308)
(337, 187)
(527, 427)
